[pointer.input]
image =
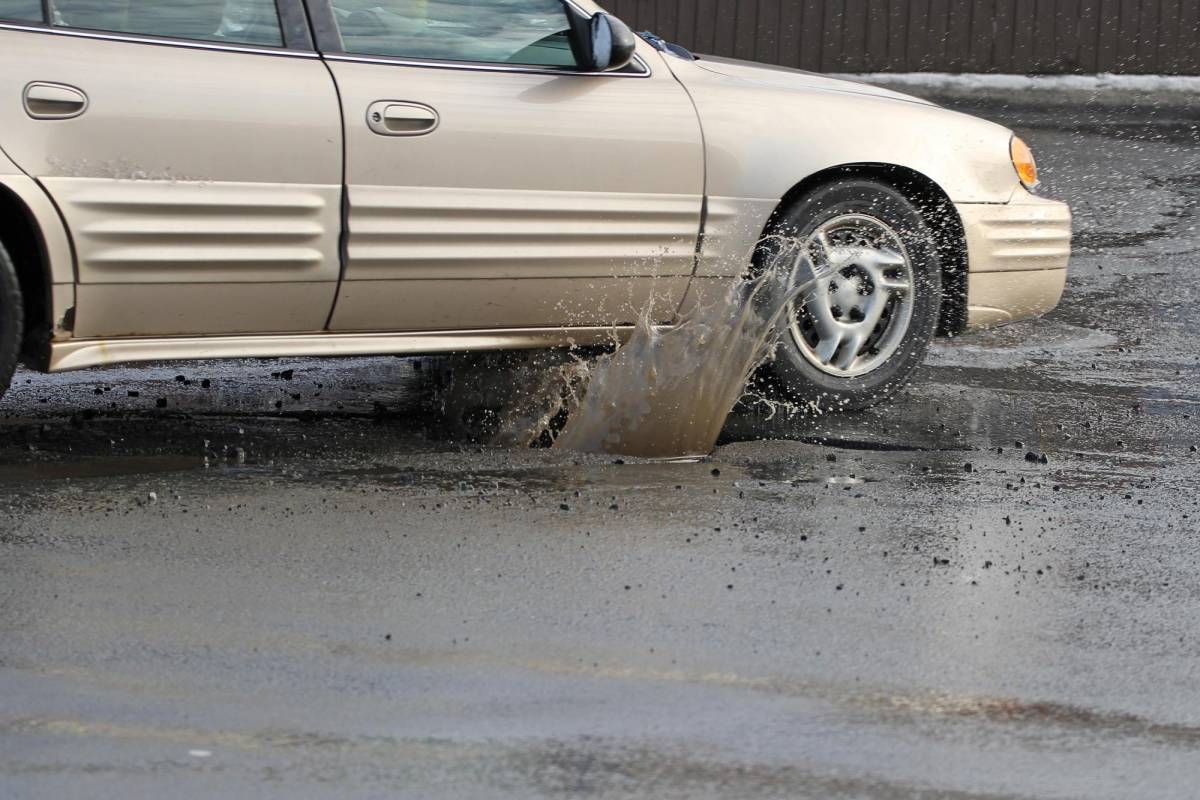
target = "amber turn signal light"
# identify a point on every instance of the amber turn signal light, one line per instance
(1022, 158)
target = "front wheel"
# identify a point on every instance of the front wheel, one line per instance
(11, 321)
(856, 338)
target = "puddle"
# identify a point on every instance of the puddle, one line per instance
(1018, 345)
(98, 468)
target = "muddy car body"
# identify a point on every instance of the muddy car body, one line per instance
(232, 178)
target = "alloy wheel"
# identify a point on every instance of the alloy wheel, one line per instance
(856, 317)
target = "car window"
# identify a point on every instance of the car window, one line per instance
(24, 10)
(527, 32)
(239, 21)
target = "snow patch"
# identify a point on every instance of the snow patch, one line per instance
(1102, 82)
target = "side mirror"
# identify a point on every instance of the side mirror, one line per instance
(601, 42)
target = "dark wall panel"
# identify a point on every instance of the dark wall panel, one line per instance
(812, 34)
(1021, 36)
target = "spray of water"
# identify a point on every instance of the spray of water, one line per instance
(664, 393)
(667, 391)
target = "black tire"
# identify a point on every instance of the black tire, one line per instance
(795, 373)
(11, 320)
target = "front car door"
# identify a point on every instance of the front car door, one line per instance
(493, 184)
(194, 150)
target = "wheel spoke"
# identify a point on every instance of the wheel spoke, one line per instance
(872, 315)
(884, 257)
(850, 347)
(822, 315)
(892, 284)
(879, 262)
(828, 346)
(843, 255)
(832, 257)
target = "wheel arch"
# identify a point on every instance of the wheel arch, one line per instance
(935, 206)
(22, 237)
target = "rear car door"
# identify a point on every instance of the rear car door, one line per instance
(194, 150)
(493, 184)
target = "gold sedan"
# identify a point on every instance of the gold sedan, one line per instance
(229, 178)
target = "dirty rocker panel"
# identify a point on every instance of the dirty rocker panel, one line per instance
(83, 353)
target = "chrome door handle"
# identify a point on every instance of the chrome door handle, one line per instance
(401, 118)
(53, 101)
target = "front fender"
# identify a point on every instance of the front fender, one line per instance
(762, 140)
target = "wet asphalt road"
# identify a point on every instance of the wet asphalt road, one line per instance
(986, 589)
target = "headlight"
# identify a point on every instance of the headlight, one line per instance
(1022, 158)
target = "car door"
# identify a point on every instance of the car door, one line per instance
(493, 184)
(194, 150)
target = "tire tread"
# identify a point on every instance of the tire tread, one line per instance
(11, 319)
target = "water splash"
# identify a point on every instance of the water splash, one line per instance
(667, 391)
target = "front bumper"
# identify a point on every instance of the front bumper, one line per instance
(1017, 255)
